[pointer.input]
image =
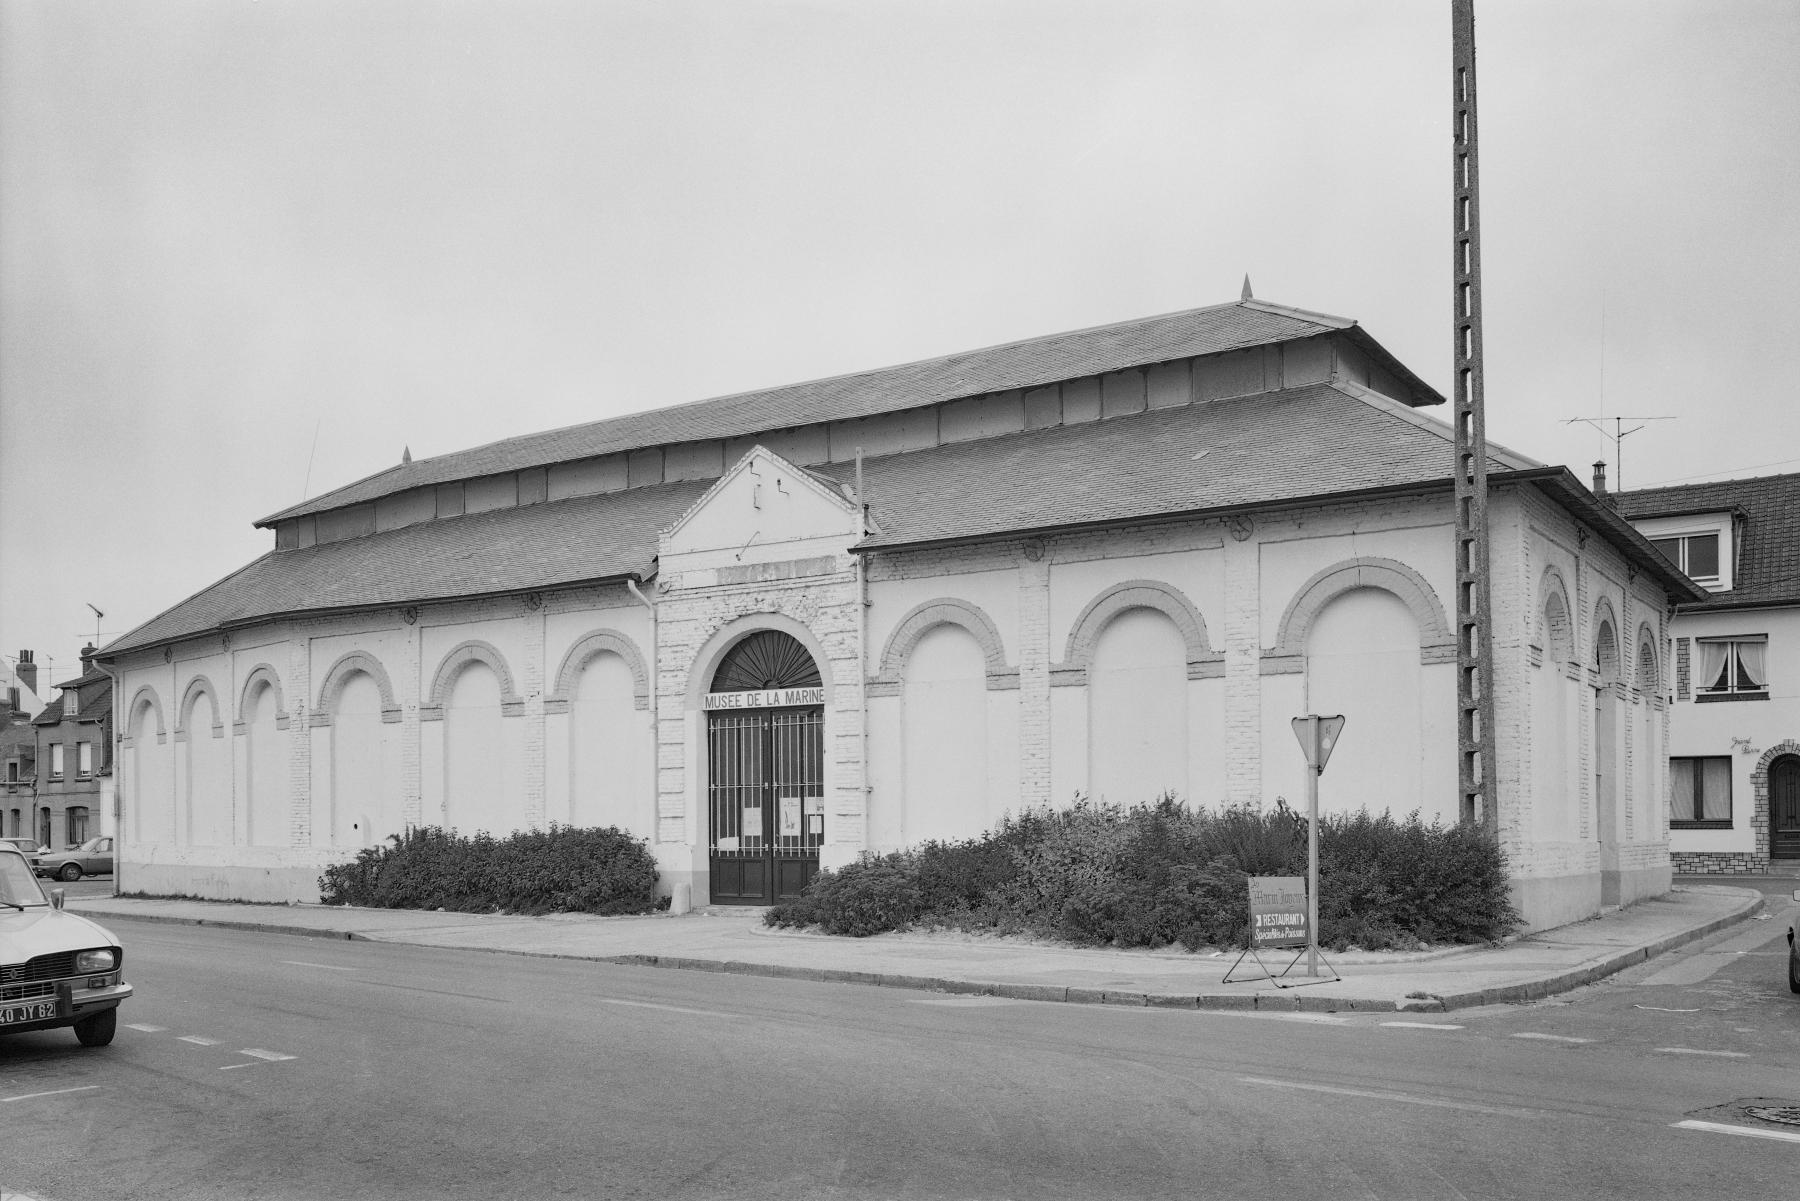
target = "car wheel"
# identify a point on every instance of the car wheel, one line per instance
(97, 1031)
(70, 872)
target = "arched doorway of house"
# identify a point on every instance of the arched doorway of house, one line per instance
(1784, 808)
(765, 742)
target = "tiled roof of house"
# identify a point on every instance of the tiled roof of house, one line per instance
(1271, 448)
(1026, 364)
(508, 550)
(1274, 447)
(1768, 563)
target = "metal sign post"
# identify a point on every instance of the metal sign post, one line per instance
(1318, 737)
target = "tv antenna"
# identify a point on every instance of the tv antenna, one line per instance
(1617, 438)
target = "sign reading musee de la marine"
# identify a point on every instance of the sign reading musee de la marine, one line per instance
(1278, 911)
(767, 698)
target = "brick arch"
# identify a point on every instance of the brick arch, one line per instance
(598, 642)
(1759, 789)
(197, 687)
(727, 633)
(1436, 644)
(347, 665)
(1555, 637)
(262, 675)
(1648, 665)
(924, 618)
(145, 695)
(1606, 650)
(1203, 662)
(452, 664)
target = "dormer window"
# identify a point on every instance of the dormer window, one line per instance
(71, 703)
(1695, 555)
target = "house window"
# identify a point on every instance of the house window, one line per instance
(1697, 555)
(12, 771)
(56, 760)
(1732, 668)
(43, 834)
(1700, 793)
(71, 703)
(84, 761)
(78, 823)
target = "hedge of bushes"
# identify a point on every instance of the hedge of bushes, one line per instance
(564, 869)
(1163, 873)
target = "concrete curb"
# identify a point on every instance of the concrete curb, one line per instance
(1288, 1001)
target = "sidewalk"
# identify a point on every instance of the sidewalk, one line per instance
(736, 941)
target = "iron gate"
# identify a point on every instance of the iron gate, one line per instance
(767, 799)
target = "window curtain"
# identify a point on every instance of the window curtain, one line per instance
(1751, 658)
(1681, 790)
(1715, 789)
(1712, 665)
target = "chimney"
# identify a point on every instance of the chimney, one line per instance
(27, 670)
(12, 701)
(87, 658)
(1600, 478)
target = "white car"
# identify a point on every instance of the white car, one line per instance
(56, 969)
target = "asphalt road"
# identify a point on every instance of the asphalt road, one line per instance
(270, 1066)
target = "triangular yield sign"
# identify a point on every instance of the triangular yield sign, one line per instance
(1318, 737)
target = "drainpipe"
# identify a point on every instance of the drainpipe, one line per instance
(112, 753)
(862, 638)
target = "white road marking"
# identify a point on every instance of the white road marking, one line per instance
(330, 967)
(1407, 1098)
(259, 1053)
(1555, 1038)
(198, 1041)
(1663, 1009)
(1425, 1025)
(55, 1092)
(707, 1013)
(145, 1029)
(1697, 1051)
(1744, 1131)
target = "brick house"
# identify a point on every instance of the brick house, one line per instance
(1734, 787)
(74, 747)
(775, 630)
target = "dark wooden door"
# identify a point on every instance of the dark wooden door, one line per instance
(1784, 808)
(767, 803)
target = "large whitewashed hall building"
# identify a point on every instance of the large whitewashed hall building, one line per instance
(771, 631)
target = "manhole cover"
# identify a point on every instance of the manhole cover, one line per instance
(1787, 1115)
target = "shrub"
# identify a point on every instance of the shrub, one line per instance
(564, 869)
(1164, 873)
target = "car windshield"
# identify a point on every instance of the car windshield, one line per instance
(92, 844)
(18, 883)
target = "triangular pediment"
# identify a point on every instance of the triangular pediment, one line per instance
(764, 501)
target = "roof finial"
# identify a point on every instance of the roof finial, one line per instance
(405, 456)
(1246, 295)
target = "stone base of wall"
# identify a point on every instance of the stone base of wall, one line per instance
(1731, 863)
(278, 885)
(1550, 901)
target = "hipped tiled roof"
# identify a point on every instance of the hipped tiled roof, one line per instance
(1767, 571)
(1027, 364)
(1256, 450)
(508, 550)
(1267, 449)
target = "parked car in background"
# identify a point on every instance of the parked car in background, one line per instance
(1794, 954)
(92, 858)
(56, 969)
(27, 846)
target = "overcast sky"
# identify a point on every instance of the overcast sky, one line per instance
(251, 251)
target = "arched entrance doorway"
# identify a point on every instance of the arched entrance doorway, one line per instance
(1784, 808)
(765, 742)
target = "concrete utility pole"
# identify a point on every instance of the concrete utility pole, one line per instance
(1474, 642)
